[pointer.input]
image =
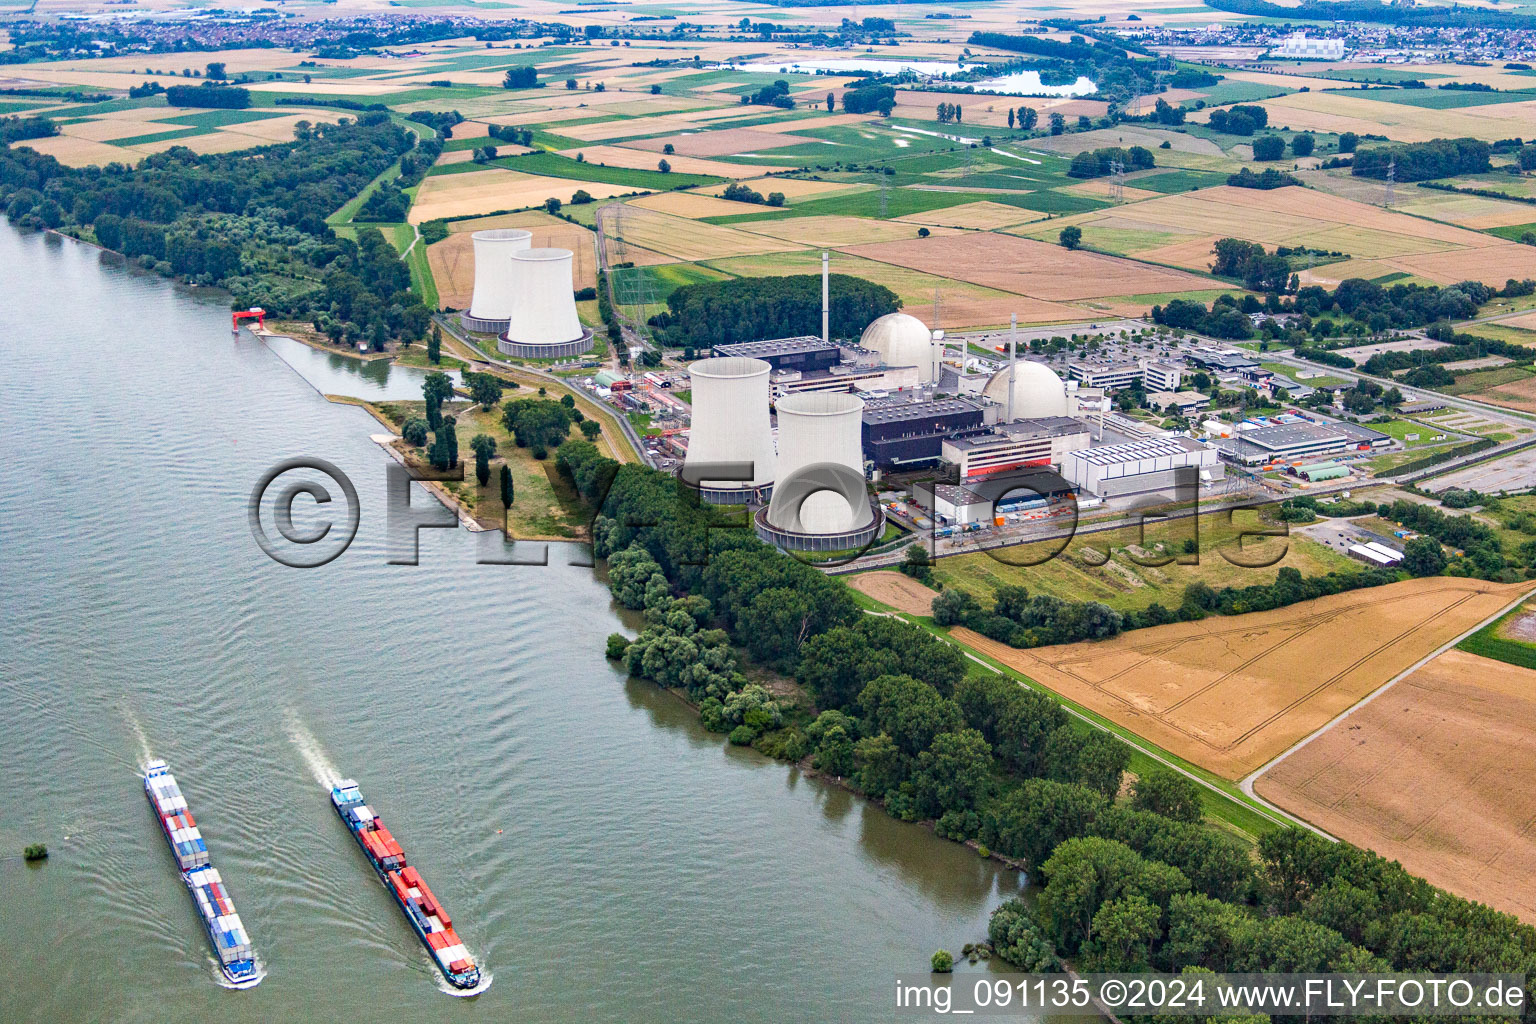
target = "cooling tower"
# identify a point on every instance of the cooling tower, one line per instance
(495, 286)
(730, 424)
(819, 499)
(542, 323)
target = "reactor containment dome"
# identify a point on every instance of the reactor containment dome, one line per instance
(1037, 391)
(543, 323)
(730, 424)
(495, 278)
(820, 502)
(902, 339)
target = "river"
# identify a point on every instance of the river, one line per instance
(604, 856)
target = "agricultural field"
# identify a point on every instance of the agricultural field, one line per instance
(1432, 773)
(1231, 693)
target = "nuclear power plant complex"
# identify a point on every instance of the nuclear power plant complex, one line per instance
(525, 296)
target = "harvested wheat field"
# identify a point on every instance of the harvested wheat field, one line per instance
(896, 589)
(1434, 773)
(982, 216)
(458, 195)
(693, 205)
(1229, 693)
(1519, 395)
(1492, 264)
(831, 229)
(453, 259)
(694, 240)
(1029, 267)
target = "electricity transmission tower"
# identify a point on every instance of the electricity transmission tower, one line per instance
(885, 195)
(1391, 181)
(1117, 181)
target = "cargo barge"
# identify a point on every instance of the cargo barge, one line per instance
(426, 916)
(231, 943)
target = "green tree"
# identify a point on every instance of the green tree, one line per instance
(1423, 556)
(436, 388)
(942, 962)
(414, 431)
(484, 447)
(435, 345)
(879, 765)
(484, 388)
(953, 774)
(1125, 930)
(1031, 820)
(1302, 145)
(552, 205)
(664, 167)
(506, 486)
(1269, 147)
(910, 711)
(1166, 792)
(1071, 237)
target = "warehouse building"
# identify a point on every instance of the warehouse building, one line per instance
(1375, 554)
(961, 505)
(803, 353)
(1317, 472)
(1289, 441)
(902, 435)
(1185, 403)
(1044, 441)
(1140, 466)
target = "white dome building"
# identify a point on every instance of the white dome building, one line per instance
(902, 339)
(1037, 391)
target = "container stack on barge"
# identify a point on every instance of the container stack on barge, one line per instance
(426, 916)
(225, 930)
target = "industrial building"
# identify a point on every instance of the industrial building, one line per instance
(1162, 376)
(1043, 441)
(1374, 553)
(1222, 361)
(542, 323)
(1186, 403)
(905, 435)
(1027, 390)
(804, 353)
(731, 424)
(1298, 46)
(1319, 471)
(1139, 466)
(1287, 441)
(819, 502)
(1116, 375)
(490, 305)
(845, 377)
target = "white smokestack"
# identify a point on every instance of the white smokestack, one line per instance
(826, 333)
(1013, 359)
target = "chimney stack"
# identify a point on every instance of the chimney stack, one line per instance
(1013, 359)
(826, 333)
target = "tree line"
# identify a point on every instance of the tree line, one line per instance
(748, 308)
(1126, 884)
(1099, 162)
(251, 221)
(1419, 161)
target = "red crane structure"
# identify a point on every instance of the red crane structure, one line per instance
(255, 312)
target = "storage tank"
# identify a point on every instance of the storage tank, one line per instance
(543, 323)
(730, 424)
(819, 428)
(495, 286)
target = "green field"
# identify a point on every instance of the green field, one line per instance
(1489, 644)
(1515, 232)
(1468, 383)
(175, 133)
(220, 118)
(1445, 99)
(632, 284)
(1178, 181)
(555, 166)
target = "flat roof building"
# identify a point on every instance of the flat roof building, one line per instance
(900, 434)
(1186, 402)
(1297, 441)
(802, 353)
(1371, 556)
(1159, 376)
(1116, 375)
(1031, 442)
(1139, 467)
